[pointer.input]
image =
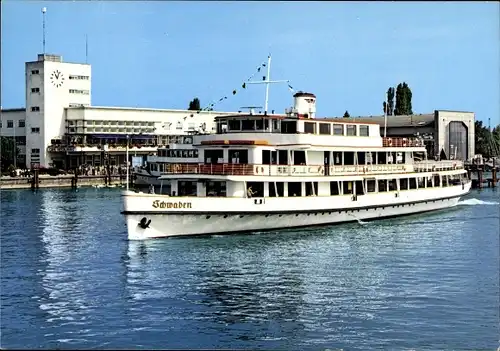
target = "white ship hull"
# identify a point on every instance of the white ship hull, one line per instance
(181, 216)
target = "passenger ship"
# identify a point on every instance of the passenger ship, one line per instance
(261, 172)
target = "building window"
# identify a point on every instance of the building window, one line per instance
(35, 90)
(35, 71)
(35, 108)
(74, 77)
(78, 91)
(363, 130)
(21, 124)
(10, 124)
(35, 130)
(35, 151)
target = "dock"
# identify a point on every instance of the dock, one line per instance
(482, 174)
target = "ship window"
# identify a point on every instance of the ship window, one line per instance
(294, 189)
(437, 180)
(421, 182)
(289, 127)
(359, 187)
(370, 185)
(324, 128)
(259, 124)
(382, 185)
(381, 158)
(310, 127)
(234, 124)
(257, 188)
(413, 183)
(393, 185)
(361, 158)
(213, 156)
(311, 188)
(187, 188)
(283, 157)
(348, 188)
(337, 158)
(276, 126)
(363, 130)
(403, 184)
(349, 158)
(351, 130)
(429, 182)
(299, 157)
(238, 156)
(248, 124)
(338, 129)
(335, 188)
(216, 189)
(276, 189)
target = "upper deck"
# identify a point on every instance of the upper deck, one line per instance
(301, 131)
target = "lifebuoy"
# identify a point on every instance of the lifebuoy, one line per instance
(404, 142)
(320, 169)
(262, 170)
(256, 169)
(390, 142)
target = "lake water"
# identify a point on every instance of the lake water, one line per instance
(70, 279)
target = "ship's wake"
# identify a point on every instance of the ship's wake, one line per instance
(474, 202)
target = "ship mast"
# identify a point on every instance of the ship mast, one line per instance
(268, 81)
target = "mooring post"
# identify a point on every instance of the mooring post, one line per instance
(479, 178)
(494, 175)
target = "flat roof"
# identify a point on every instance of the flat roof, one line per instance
(13, 109)
(116, 108)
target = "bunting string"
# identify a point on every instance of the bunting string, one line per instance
(211, 106)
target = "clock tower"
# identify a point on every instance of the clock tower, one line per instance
(52, 86)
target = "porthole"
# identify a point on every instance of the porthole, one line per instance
(267, 215)
(241, 216)
(208, 217)
(225, 216)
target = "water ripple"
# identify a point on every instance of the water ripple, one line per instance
(70, 280)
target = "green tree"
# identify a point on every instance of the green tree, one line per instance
(487, 142)
(346, 114)
(388, 105)
(403, 100)
(8, 149)
(194, 104)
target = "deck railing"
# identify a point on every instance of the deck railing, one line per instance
(402, 142)
(432, 166)
(283, 170)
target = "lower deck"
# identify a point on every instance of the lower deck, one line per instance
(335, 186)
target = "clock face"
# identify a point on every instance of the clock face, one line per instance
(57, 78)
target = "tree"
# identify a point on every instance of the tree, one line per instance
(388, 105)
(346, 114)
(8, 149)
(194, 104)
(487, 142)
(403, 100)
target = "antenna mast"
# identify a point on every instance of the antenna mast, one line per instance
(268, 81)
(86, 49)
(44, 10)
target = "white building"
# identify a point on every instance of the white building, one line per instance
(60, 128)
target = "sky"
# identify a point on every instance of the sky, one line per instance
(162, 54)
